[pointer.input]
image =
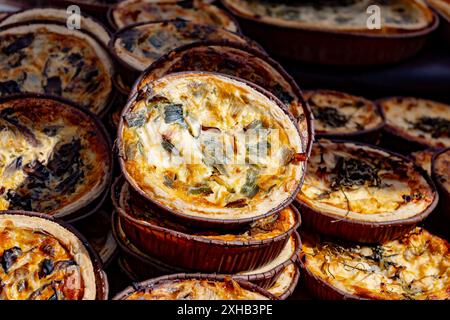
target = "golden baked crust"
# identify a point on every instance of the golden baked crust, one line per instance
(423, 121)
(263, 229)
(41, 260)
(359, 182)
(51, 59)
(340, 113)
(140, 46)
(398, 16)
(423, 159)
(134, 11)
(53, 157)
(196, 290)
(211, 146)
(442, 169)
(417, 266)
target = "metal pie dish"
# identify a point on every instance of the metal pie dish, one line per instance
(230, 215)
(414, 124)
(86, 61)
(343, 215)
(137, 46)
(70, 183)
(338, 115)
(203, 250)
(176, 278)
(242, 61)
(72, 239)
(356, 280)
(349, 48)
(149, 10)
(88, 24)
(440, 172)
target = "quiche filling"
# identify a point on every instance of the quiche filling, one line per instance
(359, 182)
(195, 290)
(416, 266)
(285, 280)
(208, 145)
(340, 113)
(52, 159)
(134, 11)
(142, 45)
(442, 169)
(37, 265)
(345, 15)
(266, 228)
(424, 121)
(54, 60)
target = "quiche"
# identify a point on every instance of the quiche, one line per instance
(42, 260)
(398, 16)
(423, 159)
(243, 62)
(286, 282)
(140, 45)
(413, 267)
(351, 189)
(54, 157)
(195, 287)
(421, 121)
(441, 175)
(134, 11)
(341, 114)
(210, 148)
(87, 23)
(441, 6)
(51, 59)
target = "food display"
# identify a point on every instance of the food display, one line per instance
(224, 150)
(43, 260)
(363, 193)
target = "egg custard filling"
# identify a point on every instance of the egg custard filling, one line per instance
(416, 266)
(211, 146)
(359, 182)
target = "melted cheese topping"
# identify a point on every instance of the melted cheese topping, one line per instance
(54, 60)
(266, 228)
(142, 45)
(442, 6)
(363, 183)
(59, 15)
(196, 290)
(238, 63)
(423, 159)
(207, 145)
(416, 266)
(133, 11)
(340, 113)
(424, 121)
(52, 159)
(442, 169)
(37, 265)
(349, 15)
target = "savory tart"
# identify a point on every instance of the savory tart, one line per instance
(423, 159)
(211, 149)
(195, 287)
(178, 244)
(87, 23)
(441, 6)
(286, 282)
(138, 46)
(415, 266)
(420, 121)
(54, 157)
(51, 59)
(441, 175)
(243, 62)
(399, 16)
(363, 193)
(134, 11)
(341, 114)
(42, 260)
